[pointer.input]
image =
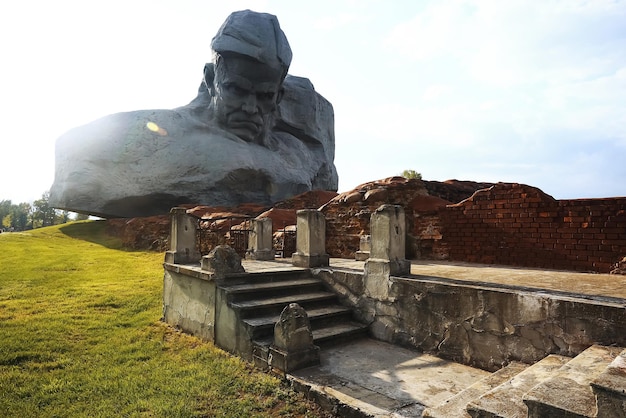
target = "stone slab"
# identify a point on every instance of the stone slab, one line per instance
(456, 405)
(610, 389)
(506, 399)
(381, 379)
(568, 392)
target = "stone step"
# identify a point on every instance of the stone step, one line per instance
(316, 315)
(456, 405)
(347, 329)
(339, 332)
(261, 307)
(325, 336)
(610, 389)
(505, 400)
(568, 393)
(256, 290)
(263, 277)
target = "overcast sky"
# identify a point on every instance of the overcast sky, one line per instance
(517, 91)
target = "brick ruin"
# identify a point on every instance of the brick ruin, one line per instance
(504, 223)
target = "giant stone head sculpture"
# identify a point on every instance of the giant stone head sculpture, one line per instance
(253, 134)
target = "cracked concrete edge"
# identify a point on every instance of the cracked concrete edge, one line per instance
(335, 402)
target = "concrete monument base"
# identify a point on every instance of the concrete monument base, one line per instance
(288, 361)
(308, 261)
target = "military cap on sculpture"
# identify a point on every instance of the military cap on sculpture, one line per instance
(247, 33)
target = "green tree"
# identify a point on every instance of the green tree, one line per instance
(62, 216)
(5, 210)
(20, 217)
(43, 213)
(6, 221)
(14, 216)
(411, 174)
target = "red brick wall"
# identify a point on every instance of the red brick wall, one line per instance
(519, 225)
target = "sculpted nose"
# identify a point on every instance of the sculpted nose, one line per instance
(250, 104)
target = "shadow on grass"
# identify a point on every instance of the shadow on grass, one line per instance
(95, 232)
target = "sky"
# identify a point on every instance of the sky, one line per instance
(530, 92)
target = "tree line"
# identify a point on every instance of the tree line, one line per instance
(23, 216)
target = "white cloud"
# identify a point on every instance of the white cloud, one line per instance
(336, 21)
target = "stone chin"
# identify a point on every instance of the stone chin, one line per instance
(247, 131)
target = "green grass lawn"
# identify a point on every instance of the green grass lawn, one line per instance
(80, 335)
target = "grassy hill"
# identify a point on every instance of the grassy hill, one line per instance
(80, 336)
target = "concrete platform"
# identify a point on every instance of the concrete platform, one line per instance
(377, 379)
(373, 378)
(590, 284)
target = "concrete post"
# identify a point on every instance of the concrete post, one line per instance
(260, 241)
(182, 248)
(365, 246)
(388, 234)
(310, 239)
(293, 346)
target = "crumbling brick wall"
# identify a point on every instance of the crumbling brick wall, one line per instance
(519, 225)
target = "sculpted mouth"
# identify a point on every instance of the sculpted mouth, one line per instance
(245, 124)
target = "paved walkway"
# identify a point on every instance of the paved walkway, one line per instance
(608, 285)
(376, 379)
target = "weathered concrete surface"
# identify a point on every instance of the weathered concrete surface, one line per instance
(456, 405)
(310, 239)
(567, 393)
(189, 302)
(610, 389)
(293, 346)
(591, 284)
(505, 400)
(373, 378)
(484, 324)
(222, 261)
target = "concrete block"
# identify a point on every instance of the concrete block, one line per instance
(456, 405)
(293, 346)
(388, 233)
(568, 393)
(506, 399)
(260, 240)
(610, 389)
(182, 246)
(310, 261)
(310, 240)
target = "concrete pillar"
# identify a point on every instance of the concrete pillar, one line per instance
(260, 240)
(388, 238)
(182, 248)
(310, 239)
(365, 246)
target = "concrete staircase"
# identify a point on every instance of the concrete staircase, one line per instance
(592, 384)
(251, 305)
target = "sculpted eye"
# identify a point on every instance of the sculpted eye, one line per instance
(265, 96)
(235, 89)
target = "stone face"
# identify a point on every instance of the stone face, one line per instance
(144, 162)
